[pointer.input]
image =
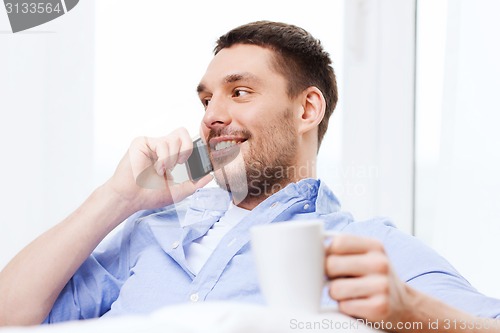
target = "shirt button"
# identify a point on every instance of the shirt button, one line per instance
(306, 206)
(274, 204)
(194, 297)
(175, 245)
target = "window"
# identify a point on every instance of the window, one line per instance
(457, 134)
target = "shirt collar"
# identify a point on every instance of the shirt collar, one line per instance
(216, 199)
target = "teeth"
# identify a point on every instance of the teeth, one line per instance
(224, 145)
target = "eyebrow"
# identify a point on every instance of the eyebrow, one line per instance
(232, 78)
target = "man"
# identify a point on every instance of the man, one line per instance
(268, 94)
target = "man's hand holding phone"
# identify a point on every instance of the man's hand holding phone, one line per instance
(143, 178)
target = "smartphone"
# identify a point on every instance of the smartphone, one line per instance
(198, 164)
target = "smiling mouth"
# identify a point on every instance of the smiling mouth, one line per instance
(226, 144)
(224, 149)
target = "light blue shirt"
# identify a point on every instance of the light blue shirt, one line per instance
(143, 267)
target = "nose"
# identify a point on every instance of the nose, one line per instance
(217, 114)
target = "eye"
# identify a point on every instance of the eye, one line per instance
(240, 93)
(205, 101)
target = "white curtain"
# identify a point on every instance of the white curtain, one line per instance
(457, 189)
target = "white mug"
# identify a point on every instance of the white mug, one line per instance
(290, 263)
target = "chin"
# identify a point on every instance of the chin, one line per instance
(233, 178)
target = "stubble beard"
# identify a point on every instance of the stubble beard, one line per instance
(266, 166)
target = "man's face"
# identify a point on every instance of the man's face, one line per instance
(249, 121)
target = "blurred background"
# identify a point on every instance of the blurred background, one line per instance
(413, 137)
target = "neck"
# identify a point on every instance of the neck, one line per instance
(305, 168)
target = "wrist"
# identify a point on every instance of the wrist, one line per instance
(117, 206)
(411, 312)
(123, 201)
(435, 315)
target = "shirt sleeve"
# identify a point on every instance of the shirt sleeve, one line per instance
(425, 270)
(97, 283)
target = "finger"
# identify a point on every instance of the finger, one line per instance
(140, 155)
(147, 157)
(360, 287)
(149, 179)
(185, 189)
(202, 182)
(356, 264)
(374, 308)
(186, 145)
(143, 145)
(349, 244)
(173, 149)
(161, 148)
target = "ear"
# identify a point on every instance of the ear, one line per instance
(312, 111)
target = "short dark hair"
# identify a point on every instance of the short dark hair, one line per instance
(300, 58)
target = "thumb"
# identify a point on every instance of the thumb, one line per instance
(185, 189)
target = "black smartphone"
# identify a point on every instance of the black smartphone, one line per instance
(198, 164)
